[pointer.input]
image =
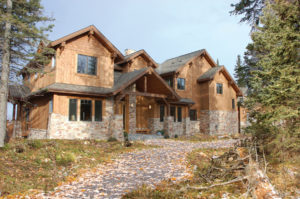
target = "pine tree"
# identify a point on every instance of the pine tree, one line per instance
(275, 98)
(239, 72)
(21, 31)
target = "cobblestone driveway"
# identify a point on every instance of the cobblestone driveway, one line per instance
(130, 170)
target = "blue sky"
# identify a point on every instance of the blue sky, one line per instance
(164, 28)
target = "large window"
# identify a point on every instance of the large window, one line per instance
(181, 83)
(161, 113)
(86, 64)
(169, 81)
(85, 110)
(173, 112)
(179, 114)
(193, 115)
(73, 109)
(98, 110)
(233, 104)
(219, 88)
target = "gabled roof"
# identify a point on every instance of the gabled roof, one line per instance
(174, 64)
(210, 74)
(142, 53)
(97, 34)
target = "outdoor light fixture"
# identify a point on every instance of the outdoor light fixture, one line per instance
(149, 106)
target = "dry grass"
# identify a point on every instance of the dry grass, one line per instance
(43, 164)
(206, 137)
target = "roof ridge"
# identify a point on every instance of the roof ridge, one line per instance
(185, 54)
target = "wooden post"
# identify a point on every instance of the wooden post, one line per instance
(14, 112)
(145, 84)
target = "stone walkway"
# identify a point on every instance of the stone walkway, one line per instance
(130, 170)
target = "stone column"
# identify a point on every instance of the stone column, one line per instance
(168, 125)
(186, 126)
(117, 128)
(132, 114)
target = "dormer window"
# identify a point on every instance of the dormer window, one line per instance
(86, 64)
(53, 61)
(180, 83)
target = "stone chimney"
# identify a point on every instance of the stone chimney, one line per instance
(129, 51)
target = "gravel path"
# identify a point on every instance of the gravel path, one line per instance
(130, 170)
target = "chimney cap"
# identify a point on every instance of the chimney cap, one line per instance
(129, 51)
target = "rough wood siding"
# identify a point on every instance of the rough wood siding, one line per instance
(66, 63)
(223, 101)
(61, 104)
(39, 113)
(193, 90)
(138, 63)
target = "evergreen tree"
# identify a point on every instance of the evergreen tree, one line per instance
(21, 31)
(275, 98)
(239, 72)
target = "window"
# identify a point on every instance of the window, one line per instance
(233, 104)
(35, 75)
(193, 115)
(73, 109)
(51, 105)
(27, 114)
(219, 88)
(173, 112)
(169, 81)
(85, 110)
(181, 83)
(161, 113)
(53, 61)
(98, 110)
(179, 114)
(86, 64)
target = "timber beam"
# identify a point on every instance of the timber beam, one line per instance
(146, 94)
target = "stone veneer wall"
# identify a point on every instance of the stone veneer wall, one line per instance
(17, 133)
(37, 134)
(132, 114)
(219, 122)
(194, 127)
(59, 127)
(155, 125)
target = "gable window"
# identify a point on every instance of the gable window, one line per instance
(86, 110)
(173, 112)
(181, 83)
(98, 110)
(73, 109)
(53, 61)
(169, 81)
(86, 65)
(233, 104)
(219, 88)
(179, 114)
(161, 113)
(193, 115)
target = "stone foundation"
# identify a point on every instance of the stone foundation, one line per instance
(194, 127)
(17, 133)
(155, 125)
(36, 134)
(219, 122)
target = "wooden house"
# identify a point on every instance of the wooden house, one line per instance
(90, 90)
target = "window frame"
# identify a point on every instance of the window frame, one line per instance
(161, 113)
(179, 82)
(170, 81)
(91, 109)
(173, 113)
(87, 65)
(194, 111)
(233, 104)
(179, 114)
(70, 119)
(217, 88)
(100, 112)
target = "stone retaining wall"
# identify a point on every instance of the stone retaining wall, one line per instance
(219, 122)
(194, 127)
(37, 134)
(155, 125)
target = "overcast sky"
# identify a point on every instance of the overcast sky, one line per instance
(164, 28)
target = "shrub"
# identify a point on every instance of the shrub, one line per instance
(126, 136)
(112, 139)
(65, 159)
(35, 144)
(176, 136)
(166, 136)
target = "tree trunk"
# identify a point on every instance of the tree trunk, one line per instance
(5, 74)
